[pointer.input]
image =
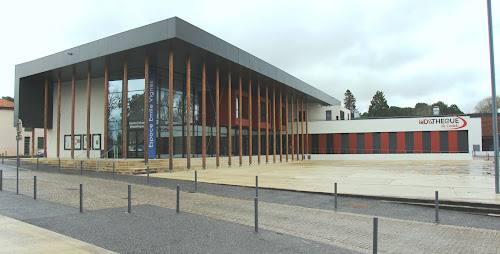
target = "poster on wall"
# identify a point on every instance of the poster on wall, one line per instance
(96, 141)
(78, 142)
(84, 141)
(67, 142)
(152, 113)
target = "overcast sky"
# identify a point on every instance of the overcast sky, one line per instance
(413, 51)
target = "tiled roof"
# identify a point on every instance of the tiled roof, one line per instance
(6, 104)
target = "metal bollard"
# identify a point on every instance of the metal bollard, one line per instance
(81, 198)
(177, 207)
(375, 235)
(81, 167)
(2, 158)
(37, 163)
(257, 186)
(148, 173)
(129, 198)
(59, 165)
(335, 196)
(195, 181)
(1, 180)
(256, 201)
(436, 206)
(114, 170)
(34, 187)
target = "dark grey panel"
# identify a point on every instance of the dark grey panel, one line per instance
(463, 141)
(329, 143)
(409, 140)
(444, 146)
(376, 142)
(426, 141)
(360, 143)
(393, 142)
(315, 143)
(345, 143)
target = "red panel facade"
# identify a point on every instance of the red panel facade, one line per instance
(401, 142)
(337, 144)
(452, 142)
(435, 148)
(322, 143)
(353, 142)
(368, 142)
(417, 142)
(384, 142)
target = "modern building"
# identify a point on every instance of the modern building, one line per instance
(165, 90)
(171, 90)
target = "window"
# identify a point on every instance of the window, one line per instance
(328, 115)
(40, 142)
(341, 115)
(237, 107)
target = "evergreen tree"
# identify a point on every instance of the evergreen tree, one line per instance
(378, 106)
(349, 101)
(8, 98)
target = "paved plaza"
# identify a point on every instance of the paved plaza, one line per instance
(220, 218)
(470, 181)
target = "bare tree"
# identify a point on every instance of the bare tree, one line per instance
(485, 105)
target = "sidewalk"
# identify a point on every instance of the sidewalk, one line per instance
(466, 181)
(342, 230)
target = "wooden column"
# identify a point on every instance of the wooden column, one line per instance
(286, 123)
(302, 116)
(274, 125)
(124, 108)
(240, 117)
(188, 113)
(298, 137)
(171, 109)
(258, 122)
(73, 114)
(281, 128)
(250, 121)
(267, 123)
(217, 134)
(229, 117)
(58, 116)
(106, 84)
(146, 108)
(293, 136)
(89, 138)
(33, 142)
(45, 111)
(307, 128)
(204, 113)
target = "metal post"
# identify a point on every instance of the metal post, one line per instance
(37, 163)
(17, 167)
(1, 180)
(148, 173)
(256, 201)
(81, 198)
(493, 97)
(375, 235)
(335, 196)
(114, 170)
(195, 181)
(81, 167)
(129, 198)
(59, 165)
(436, 206)
(177, 208)
(256, 186)
(34, 187)
(2, 158)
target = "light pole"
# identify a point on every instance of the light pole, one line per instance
(493, 96)
(18, 137)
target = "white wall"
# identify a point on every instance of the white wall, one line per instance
(317, 112)
(96, 115)
(475, 137)
(8, 135)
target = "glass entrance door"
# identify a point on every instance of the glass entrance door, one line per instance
(135, 143)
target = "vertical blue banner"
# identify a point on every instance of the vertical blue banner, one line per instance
(151, 113)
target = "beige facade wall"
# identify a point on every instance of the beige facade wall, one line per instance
(8, 135)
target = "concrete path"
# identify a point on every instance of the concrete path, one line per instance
(470, 181)
(342, 230)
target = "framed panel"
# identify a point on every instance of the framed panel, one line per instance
(96, 141)
(78, 142)
(67, 142)
(84, 137)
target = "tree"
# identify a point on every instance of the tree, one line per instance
(397, 111)
(8, 98)
(378, 106)
(349, 101)
(422, 109)
(485, 105)
(444, 109)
